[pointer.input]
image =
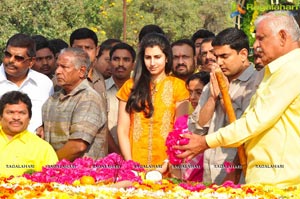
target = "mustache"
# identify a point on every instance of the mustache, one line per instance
(178, 65)
(16, 121)
(10, 65)
(257, 54)
(120, 67)
(210, 60)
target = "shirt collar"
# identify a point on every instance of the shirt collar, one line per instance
(96, 76)
(280, 61)
(30, 76)
(2, 73)
(247, 73)
(82, 86)
(21, 136)
(109, 83)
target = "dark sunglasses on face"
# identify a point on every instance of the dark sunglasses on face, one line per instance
(18, 58)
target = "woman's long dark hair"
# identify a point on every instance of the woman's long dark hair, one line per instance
(140, 96)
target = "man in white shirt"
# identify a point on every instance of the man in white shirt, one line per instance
(16, 74)
(122, 57)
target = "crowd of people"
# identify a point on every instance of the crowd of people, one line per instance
(65, 101)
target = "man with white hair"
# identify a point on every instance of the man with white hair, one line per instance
(269, 128)
(74, 118)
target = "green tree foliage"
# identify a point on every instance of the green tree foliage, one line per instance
(58, 18)
(178, 19)
(51, 18)
(215, 14)
(247, 24)
(248, 19)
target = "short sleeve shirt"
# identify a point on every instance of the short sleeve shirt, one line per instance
(80, 114)
(37, 86)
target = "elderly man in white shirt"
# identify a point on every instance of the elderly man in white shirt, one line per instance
(16, 74)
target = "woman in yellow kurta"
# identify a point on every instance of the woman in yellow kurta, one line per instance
(149, 103)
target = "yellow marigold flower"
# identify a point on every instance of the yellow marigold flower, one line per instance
(221, 189)
(102, 32)
(94, 29)
(76, 183)
(142, 174)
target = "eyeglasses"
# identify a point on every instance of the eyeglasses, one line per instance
(18, 58)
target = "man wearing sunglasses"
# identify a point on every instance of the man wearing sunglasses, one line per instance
(16, 74)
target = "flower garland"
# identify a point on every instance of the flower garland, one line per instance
(20, 187)
(62, 181)
(112, 168)
(174, 138)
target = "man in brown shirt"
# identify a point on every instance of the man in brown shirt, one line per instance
(75, 118)
(87, 40)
